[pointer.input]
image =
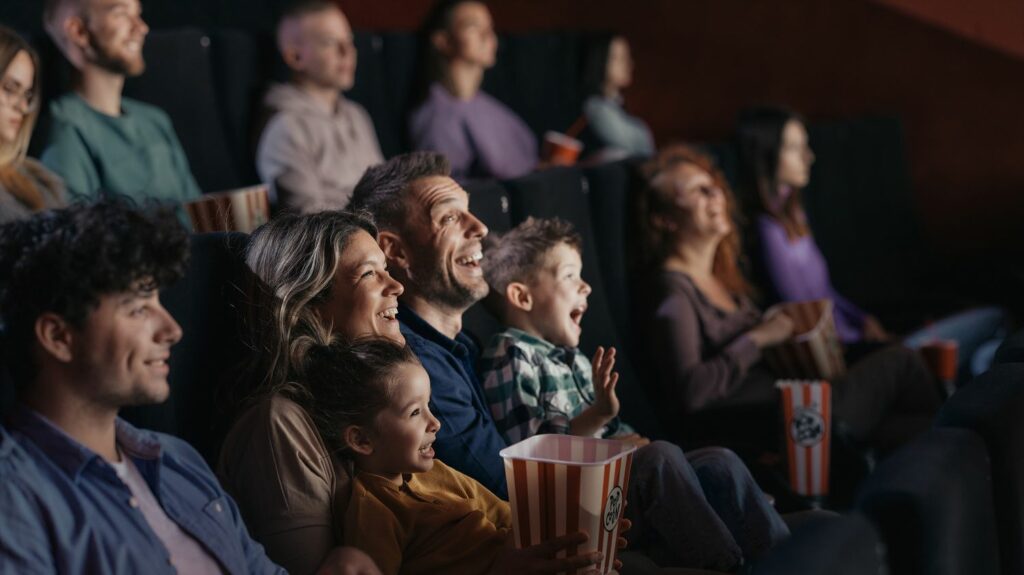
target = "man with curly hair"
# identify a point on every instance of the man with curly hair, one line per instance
(83, 491)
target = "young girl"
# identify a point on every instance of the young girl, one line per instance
(408, 511)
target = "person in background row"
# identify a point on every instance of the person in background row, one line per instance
(317, 143)
(85, 336)
(100, 142)
(607, 71)
(480, 136)
(25, 185)
(704, 338)
(775, 166)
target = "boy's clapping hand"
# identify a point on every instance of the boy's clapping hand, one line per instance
(606, 403)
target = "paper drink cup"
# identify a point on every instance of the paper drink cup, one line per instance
(941, 357)
(241, 210)
(561, 150)
(807, 421)
(561, 484)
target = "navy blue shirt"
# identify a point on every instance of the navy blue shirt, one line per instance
(468, 439)
(65, 509)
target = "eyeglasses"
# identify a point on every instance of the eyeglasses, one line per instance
(12, 95)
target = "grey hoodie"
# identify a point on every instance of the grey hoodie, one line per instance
(311, 157)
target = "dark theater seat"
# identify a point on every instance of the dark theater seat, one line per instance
(845, 545)
(932, 502)
(489, 202)
(1011, 350)
(205, 303)
(993, 406)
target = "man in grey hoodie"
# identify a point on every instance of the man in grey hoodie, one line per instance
(317, 144)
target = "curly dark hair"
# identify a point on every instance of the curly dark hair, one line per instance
(63, 261)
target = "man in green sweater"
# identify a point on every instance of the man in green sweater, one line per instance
(100, 142)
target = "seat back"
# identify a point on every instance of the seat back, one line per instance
(563, 193)
(206, 303)
(489, 202)
(1011, 350)
(180, 82)
(991, 406)
(843, 545)
(932, 502)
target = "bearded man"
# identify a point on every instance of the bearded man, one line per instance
(100, 142)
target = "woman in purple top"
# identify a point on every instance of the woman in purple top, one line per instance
(775, 165)
(479, 135)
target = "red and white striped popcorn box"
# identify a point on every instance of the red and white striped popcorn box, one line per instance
(807, 421)
(561, 484)
(814, 351)
(241, 210)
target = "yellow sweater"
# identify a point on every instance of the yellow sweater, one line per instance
(440, 521)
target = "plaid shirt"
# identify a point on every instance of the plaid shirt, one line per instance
(534, 387)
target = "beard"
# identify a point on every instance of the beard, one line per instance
(433, 281)
(108, 59)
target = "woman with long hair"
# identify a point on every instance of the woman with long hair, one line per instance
(774, 167)
(479, 135)
(26, 186)
(311, 274)
(607, 71)
(704, 336)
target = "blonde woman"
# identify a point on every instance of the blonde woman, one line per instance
(25, 185)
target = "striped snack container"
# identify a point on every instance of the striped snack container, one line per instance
(807, 420)
(561, 484)
(814, 351)
(241, 210)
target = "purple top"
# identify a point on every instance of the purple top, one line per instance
(480, 136)
(799, 272)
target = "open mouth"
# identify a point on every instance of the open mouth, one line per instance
(471, 260)
(576, 315)
(389, 314)
(427, 450)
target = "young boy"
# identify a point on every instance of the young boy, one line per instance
(701, 509)
(535, 379)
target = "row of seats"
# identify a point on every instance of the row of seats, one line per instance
(950, 502)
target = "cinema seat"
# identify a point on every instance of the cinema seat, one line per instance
(992, 405)
(932, 503)
(1011, 350)
(842, 545)
(205, 303)
(489, 202)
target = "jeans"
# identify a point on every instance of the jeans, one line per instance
(701, 509)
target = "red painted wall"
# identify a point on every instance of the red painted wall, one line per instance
(700, 61)
(998, 24)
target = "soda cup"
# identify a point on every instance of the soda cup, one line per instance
(241, 210)
(942, 358)
(807, 421)
(560, 149)
(561, 484)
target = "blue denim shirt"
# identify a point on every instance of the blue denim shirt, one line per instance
(65, 509)
(468, 439)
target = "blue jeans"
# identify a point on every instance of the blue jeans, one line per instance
(701, 509)
(978, 333)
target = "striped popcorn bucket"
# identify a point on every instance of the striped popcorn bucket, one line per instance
(807, 420)
(241, 210)
(814, 351)
(561, 484)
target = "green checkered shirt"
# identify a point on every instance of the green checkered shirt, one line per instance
(536, 387)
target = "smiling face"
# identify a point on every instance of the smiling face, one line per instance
(471, 36)
(404, 432)
(319, 46)
(120, 352)
(17, 97)
(795, 156)
(364, 297)
(444, 243)
(699, 205)
(559, 297)
(116, 33)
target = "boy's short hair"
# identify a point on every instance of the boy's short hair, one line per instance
(63, 262)
(298, 9)
(518, 255)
